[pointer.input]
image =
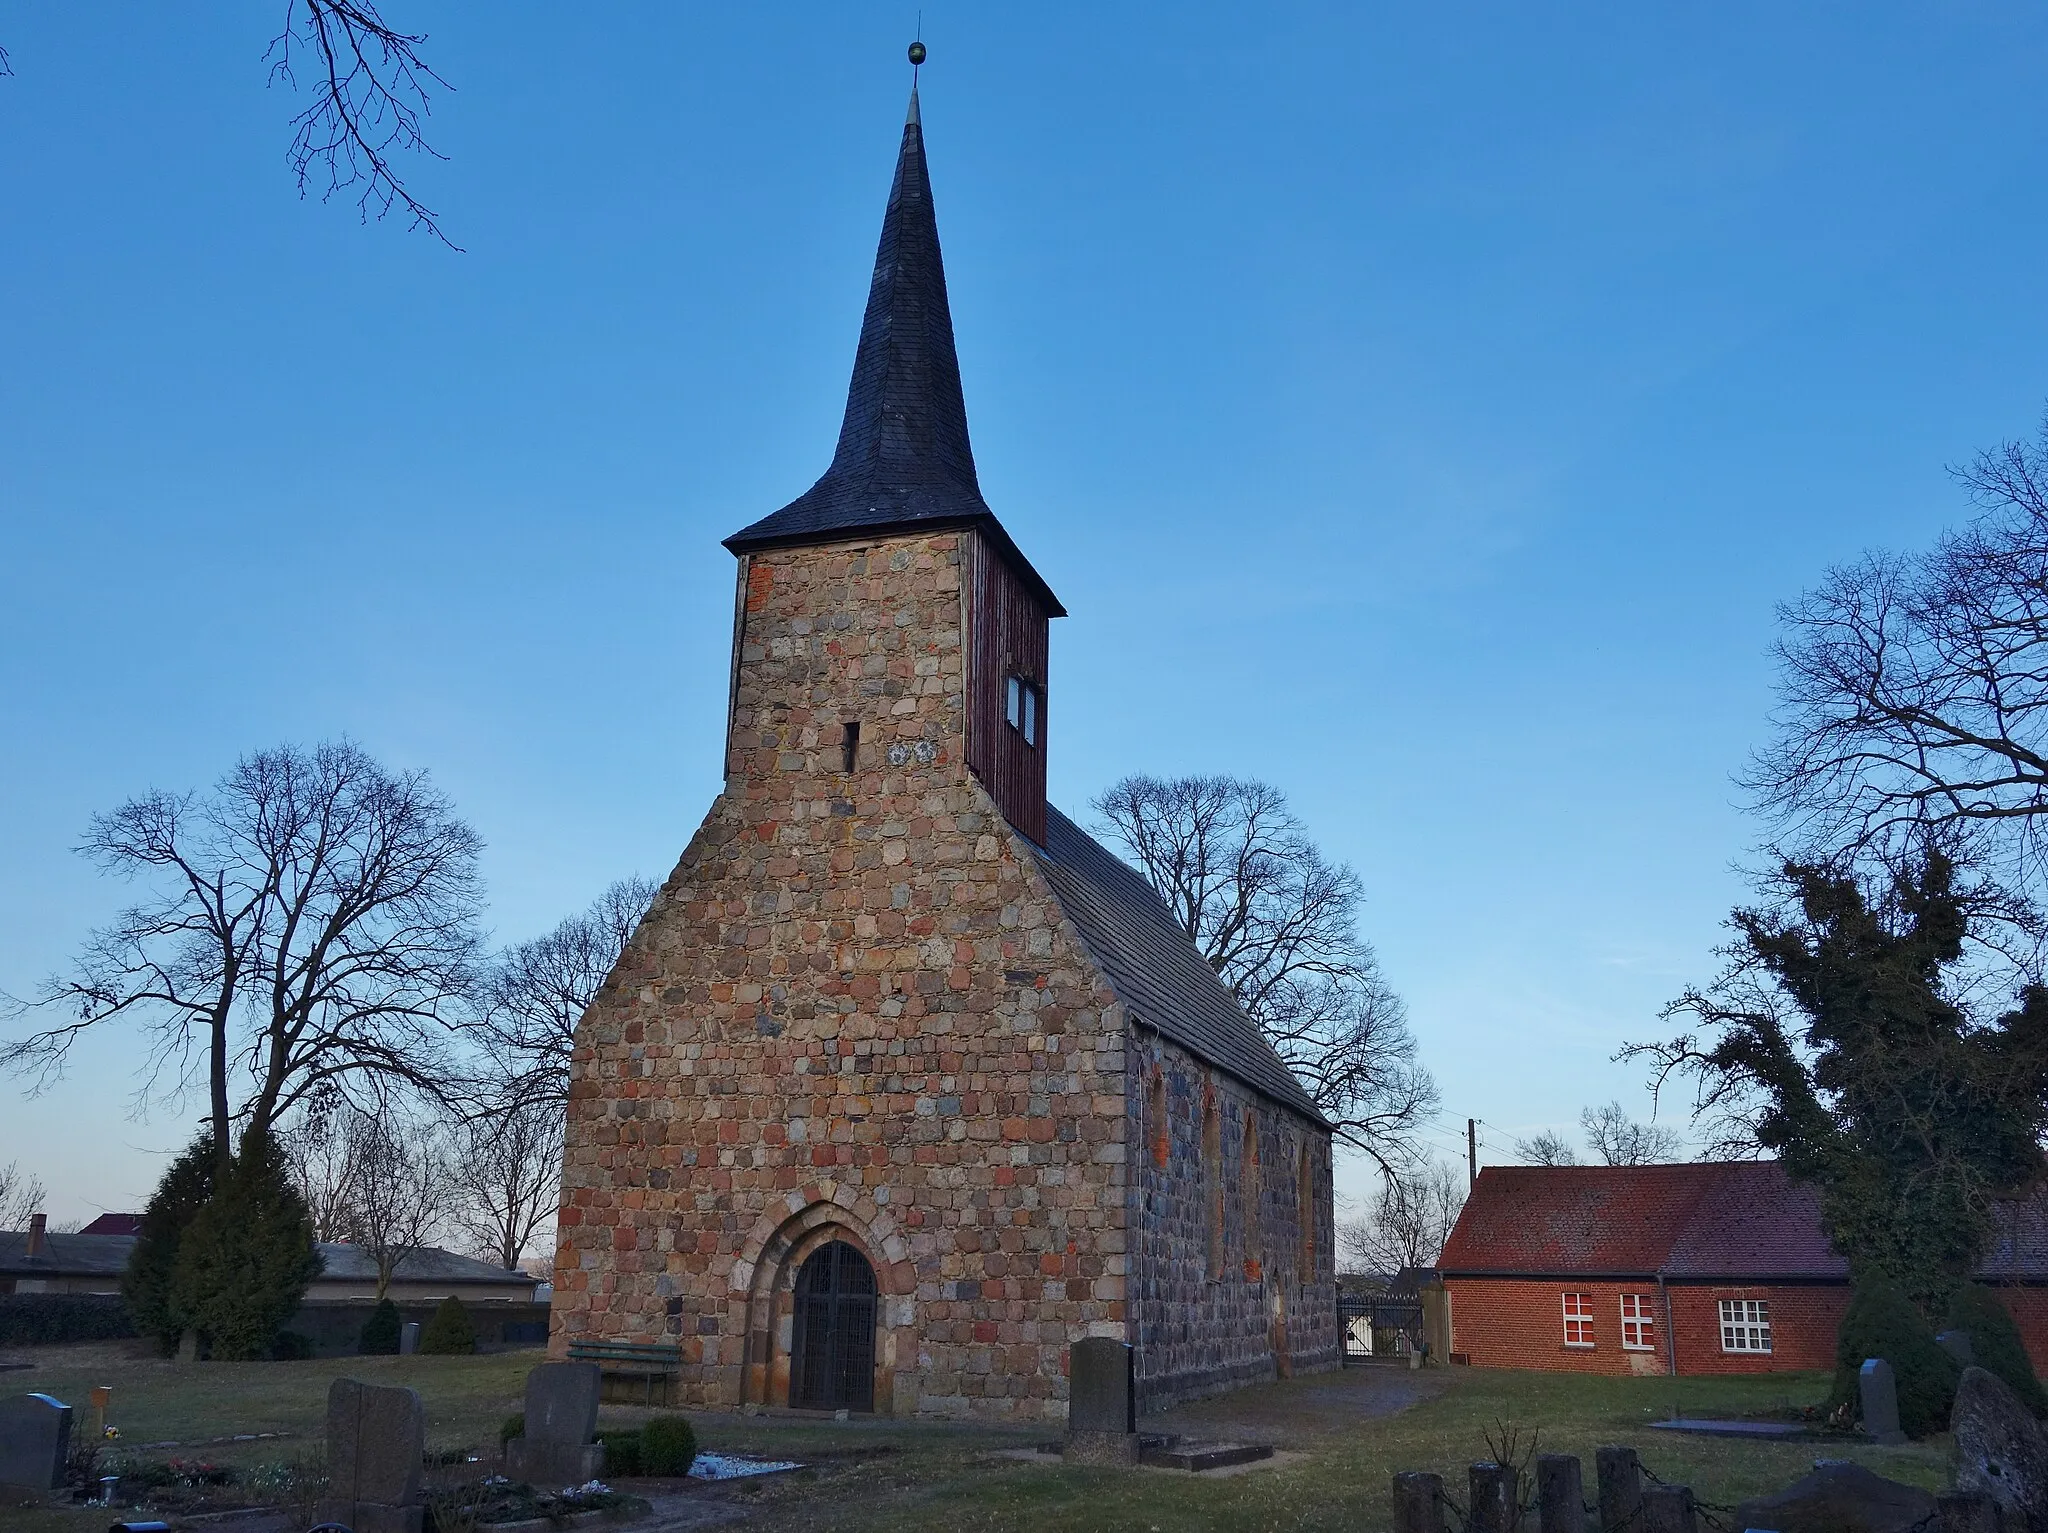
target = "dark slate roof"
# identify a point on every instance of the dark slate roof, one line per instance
(1156, 971)
(107, 1256)
(903, 462)
(65, 1255)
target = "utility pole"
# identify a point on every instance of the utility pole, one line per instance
(1472, 1153)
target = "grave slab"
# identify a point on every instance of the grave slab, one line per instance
(35, 1438)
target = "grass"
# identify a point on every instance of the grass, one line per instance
(883, 1474)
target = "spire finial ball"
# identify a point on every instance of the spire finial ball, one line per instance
(917, 53)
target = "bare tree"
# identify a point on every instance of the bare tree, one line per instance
(1279, 922)
(537, 992)
(309, 934)
(1913, 692)
(1408, 1223)
(21, 1194)
(321, 1156)
(400, 1186)
(1548, 1148)
(1620, 1141)
(508, 1178)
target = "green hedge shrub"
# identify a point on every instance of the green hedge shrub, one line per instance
(1882, 1322)
(152, 1264)
(449, 1333)
(1995, 1342)
(380, 1332)
(668, 1446)
(621, 1451)
(44, 1319)
(511, 1427)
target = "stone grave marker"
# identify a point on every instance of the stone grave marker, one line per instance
(35, 1438)
(408, 1338)
(2000, 1451)
(1837, 1493)
(376, 1437)
(1102, 1402)
(561, 1419)
(1957, 1344)
(1877, 1388)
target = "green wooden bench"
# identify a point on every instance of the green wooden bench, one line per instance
(651, 1362)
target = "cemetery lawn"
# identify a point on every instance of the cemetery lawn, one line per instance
(1345, 1433)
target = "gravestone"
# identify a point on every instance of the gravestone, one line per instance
(1620, 1475)
(1838, 1496)
(561, 1419)
(1560, 1494)
(1102, 1402)
(376, 1437)
(1957, 1344)
(409, 1338)
(1877, 1388)
(1418, 1502)
(1494, 1498)
(2000, 1450)
(1967, 1512)
(35, 1439)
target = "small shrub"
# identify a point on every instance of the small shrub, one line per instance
(1995, 1342)
(668, 1446)
(1882, 1322)
(291, 1347)
(449, 1333)
(621, 1451)
(380, 1331)
(511, 1427)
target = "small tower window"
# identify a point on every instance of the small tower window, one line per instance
(1020, 707)
(851, 746)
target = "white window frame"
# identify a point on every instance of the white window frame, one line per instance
(1020, 707)
(1638, 1323)
(1582, 1318)
(1746, 1326)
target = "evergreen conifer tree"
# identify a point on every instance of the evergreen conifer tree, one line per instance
(379, 1337)
(1882, 1322)
(247, 1256)
(450, 1331)
(1995, 1342)
(148, 1282)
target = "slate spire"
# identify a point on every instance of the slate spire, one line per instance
(903, 454)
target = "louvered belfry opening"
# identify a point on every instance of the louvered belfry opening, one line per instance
(833, 1362)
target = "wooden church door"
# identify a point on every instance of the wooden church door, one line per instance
(833, 1366)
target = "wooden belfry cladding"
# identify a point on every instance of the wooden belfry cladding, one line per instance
(1007, 636)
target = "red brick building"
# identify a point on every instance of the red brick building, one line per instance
(1719, 1267)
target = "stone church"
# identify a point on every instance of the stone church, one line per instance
(905, 1083)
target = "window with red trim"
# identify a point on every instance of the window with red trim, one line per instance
(1578, 1320)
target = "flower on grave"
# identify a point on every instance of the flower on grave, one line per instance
(110, 1433)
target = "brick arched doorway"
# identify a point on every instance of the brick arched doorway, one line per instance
(832, 1361)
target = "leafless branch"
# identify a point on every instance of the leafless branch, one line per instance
(371, 96)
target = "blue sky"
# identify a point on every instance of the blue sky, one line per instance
(1422, 409)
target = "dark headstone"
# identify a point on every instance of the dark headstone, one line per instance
(1840, 1497)
(1101, 1396)
(1957, 1345)
(1965, 1511)
(1560, 1494)
(561, 1420)
(1877, 1390)
(1620, 1475)
(35, 1438)
(1493, 1498)
(1418, 1503)
(1670, 1509)
(2000, 1451)
(1102, 1402)
(376, 1436)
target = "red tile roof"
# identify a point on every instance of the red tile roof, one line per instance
(114, 1224)
(1720, 1219)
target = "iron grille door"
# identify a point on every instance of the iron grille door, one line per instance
(835, 1330)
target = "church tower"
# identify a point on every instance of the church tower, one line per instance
(857, 1120)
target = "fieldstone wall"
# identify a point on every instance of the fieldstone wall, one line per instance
(855, 1011)
(1233, 1251)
